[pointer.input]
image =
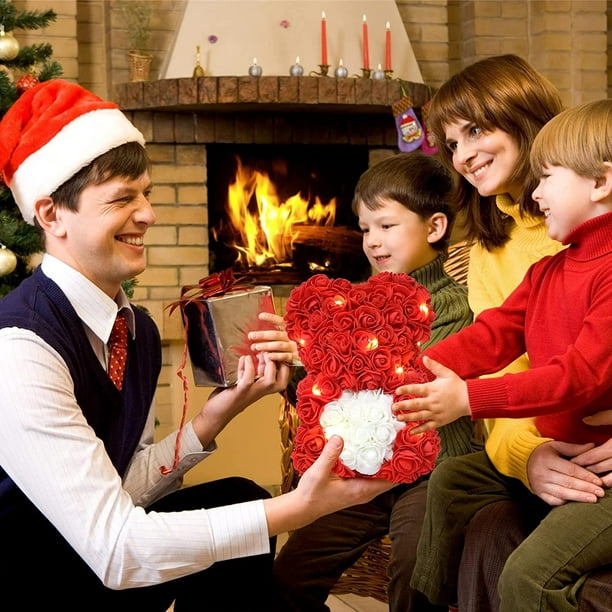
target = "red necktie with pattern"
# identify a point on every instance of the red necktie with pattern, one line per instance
(118, 351)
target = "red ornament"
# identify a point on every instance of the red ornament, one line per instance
(27, 81)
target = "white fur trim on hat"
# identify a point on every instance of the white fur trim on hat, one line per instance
(76, 145)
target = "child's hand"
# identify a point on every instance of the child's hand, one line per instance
(438, 402)
(275, 342)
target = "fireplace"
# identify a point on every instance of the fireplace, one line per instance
(281, 213)
(197, 128)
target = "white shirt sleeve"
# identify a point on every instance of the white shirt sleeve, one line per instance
(55, 458)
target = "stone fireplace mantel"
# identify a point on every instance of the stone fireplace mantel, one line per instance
(269, 94)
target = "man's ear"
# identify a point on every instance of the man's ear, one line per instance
(603, 185)
(438, 223)
(48, 215)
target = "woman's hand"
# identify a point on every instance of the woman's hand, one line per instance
(597, 460)
(438, 402)
(557, 479)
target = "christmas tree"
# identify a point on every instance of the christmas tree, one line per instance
(20, 69)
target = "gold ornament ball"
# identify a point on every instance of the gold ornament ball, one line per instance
(8, 261)
(9, 47)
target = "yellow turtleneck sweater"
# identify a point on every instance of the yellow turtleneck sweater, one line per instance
(492, 276)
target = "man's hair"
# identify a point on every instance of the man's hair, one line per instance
(415, 180)
(579, 138)
(502, 92)
(128, 160)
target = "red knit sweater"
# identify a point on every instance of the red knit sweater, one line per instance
(561, 315)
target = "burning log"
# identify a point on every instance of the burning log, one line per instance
(329, 239)
(331, 250)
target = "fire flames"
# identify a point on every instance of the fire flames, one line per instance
(264, 228)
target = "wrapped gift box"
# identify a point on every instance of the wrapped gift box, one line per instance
(217, 332)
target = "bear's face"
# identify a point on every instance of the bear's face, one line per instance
(358, 343)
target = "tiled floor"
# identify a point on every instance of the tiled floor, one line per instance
(352, 603)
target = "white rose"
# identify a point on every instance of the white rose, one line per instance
(367, 425)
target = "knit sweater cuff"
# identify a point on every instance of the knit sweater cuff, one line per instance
(523, 446)
(488, 397)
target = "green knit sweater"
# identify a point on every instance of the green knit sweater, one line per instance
(450, 303)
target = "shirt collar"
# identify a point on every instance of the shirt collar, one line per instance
(91, 304)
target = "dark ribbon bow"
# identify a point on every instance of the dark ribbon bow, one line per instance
(217, 283)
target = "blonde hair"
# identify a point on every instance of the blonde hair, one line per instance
(579, 138)
(502, 92)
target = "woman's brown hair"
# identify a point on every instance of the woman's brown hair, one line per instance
(502, 92)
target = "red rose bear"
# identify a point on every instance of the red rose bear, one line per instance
(358, 343)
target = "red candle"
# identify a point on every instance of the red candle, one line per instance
(366, 51)
(388, 47)
(323, 39)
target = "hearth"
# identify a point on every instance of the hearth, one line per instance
(280, 214)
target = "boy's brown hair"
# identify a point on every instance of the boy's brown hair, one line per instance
(415, 180)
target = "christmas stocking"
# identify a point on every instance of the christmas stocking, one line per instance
(429, 144)
(409, 131)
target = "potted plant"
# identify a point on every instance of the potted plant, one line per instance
(137, 17)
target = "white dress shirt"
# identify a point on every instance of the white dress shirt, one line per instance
(55, 458)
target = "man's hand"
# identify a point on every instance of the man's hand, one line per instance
(437, 403)
(224, 404)
(320, 492)
(556, 479)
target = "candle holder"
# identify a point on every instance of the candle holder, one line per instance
(297, 70)
(388, 74)
(341, 72)
(255, 70)
(378, 75)
(365, 73)
(198, 71)
(324, 70)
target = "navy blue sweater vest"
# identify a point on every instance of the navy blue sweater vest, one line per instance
(117, 417)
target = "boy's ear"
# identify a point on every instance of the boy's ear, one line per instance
(438, 223)
(603, 185)
(49, 220)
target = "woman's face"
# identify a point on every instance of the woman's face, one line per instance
(486, 160)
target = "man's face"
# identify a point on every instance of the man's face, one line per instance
(104, 238)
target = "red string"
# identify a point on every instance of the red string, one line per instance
(208, 286)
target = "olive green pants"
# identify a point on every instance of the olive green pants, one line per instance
(544, 572)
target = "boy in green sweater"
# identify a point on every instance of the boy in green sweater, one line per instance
(406, 218)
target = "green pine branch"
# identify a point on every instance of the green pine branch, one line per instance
(13, 19)
(17, 235)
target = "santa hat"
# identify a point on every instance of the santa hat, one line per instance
(50, 133)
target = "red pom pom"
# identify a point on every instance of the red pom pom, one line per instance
(27, 81)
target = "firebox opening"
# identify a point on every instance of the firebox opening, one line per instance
(280, 214)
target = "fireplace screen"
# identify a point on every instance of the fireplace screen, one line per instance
(280, 214)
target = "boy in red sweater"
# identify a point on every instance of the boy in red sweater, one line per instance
(561, 315)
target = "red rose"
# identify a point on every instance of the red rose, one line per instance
(309, 405)
(307, 446)
(368, 317)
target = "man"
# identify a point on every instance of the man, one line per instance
(90, 508)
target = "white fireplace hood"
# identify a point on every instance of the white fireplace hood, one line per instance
(231, 33)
